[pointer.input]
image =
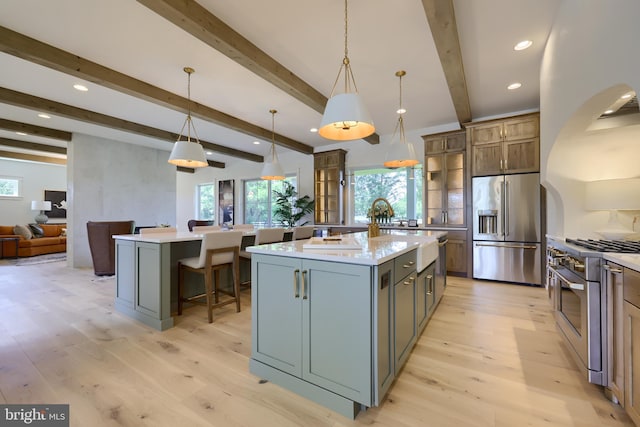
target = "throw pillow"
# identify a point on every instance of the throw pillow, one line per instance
(50, 230)
(36, 229)
(23, 230)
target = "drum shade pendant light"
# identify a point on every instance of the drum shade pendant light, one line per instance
(272, 170)
(401, 153)
(188, 153)
(345, 116)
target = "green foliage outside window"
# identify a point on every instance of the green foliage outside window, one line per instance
(206, 202)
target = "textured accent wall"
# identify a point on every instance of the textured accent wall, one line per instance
(110, 180)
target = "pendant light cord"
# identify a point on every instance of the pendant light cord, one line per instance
(273, 134)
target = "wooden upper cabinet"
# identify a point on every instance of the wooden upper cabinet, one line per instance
(445, 142)
(329, 171)
(505, 146)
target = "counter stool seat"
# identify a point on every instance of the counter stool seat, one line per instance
(219, 250)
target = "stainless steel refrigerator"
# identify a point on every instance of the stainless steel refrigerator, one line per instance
(506, 228)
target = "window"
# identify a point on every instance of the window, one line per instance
(401, 187)
(10, 187)
(206, 202)
(258, 202)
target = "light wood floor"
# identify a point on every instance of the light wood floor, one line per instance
(489, 357)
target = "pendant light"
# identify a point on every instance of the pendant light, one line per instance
(401, 153)
(345, 116)
(188, 153)
(272, 170)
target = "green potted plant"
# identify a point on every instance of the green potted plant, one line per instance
(289, 208)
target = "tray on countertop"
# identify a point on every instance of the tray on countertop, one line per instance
(324, 243)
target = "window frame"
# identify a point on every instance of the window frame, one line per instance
(292, 178)
(199, 200)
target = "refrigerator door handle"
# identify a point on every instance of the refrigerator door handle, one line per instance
(502, 232)
(506, 208)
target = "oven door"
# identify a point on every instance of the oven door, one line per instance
(578, 317)
(552, 285)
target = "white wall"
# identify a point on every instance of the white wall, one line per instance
(36, 177)
(591, 58)
(110, 180)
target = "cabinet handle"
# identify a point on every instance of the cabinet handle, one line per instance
(430, 285)
(409, 265)
(613, 270)
(304, 284)
(408, 282)
(296, 275)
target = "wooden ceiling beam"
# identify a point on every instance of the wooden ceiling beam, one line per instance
(34, 130)
(24, 100)
(8, 142)
(442, 21)
(41, 53)
(203, 25)
(32, 157)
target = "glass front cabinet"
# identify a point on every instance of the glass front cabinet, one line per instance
(329, 172)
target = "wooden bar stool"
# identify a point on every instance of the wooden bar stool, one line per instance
(219, 250)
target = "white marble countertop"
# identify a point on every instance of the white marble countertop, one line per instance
(631, 261)
(375, 251)
(180, 236)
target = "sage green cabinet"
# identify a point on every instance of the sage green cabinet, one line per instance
(333, 332)
(425, 296)
(312, 320)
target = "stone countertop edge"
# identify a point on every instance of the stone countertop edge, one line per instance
(631, 261)
(374, 251)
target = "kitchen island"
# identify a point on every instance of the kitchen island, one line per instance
(336, 325)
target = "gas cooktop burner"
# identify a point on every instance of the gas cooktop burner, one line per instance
(624, 246)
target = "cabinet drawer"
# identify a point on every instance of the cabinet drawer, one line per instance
(403, 265)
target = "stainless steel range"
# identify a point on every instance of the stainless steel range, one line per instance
(579, 299)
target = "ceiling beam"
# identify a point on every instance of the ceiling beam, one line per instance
(203, 25)
(46, 55)
(34, 130)
(7, 142)
(19, 99)
(32, 158)
(442, 21)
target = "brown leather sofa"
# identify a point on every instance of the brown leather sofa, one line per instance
(52, 241)
(102, 245)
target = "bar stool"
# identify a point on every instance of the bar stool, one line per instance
(156, 230)
(206, 228)
(219, 250)
(303, 232)
(263, 236)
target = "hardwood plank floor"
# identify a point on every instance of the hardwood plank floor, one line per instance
(490, 356)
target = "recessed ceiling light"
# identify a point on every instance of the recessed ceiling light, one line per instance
(22, 133)
(608, 112)
(313, 130)
(626, 96)
(80, 87)
(524, 44)
(256, 142)
(515, 85)
(401, 110)
(44, 116)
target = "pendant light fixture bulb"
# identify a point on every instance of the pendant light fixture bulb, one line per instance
(401, 153)
(189, 154)
(345, 116)
(272, 170)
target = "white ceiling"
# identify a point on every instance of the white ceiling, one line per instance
(306, 37)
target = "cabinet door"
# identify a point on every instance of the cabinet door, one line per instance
(632, 363)
(487, 159)
(486, 134)
(276, 310)
(383, 335)
(615, 326)
(434, 145)
(424, 296)
(521, 128)
(522, 156)
(457, 253)
(435, 188)
(125, 273)
(455, 189)
(404, 318)
(456, 141)
(337, 330)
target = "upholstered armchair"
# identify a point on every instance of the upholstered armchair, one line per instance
(102, 245)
